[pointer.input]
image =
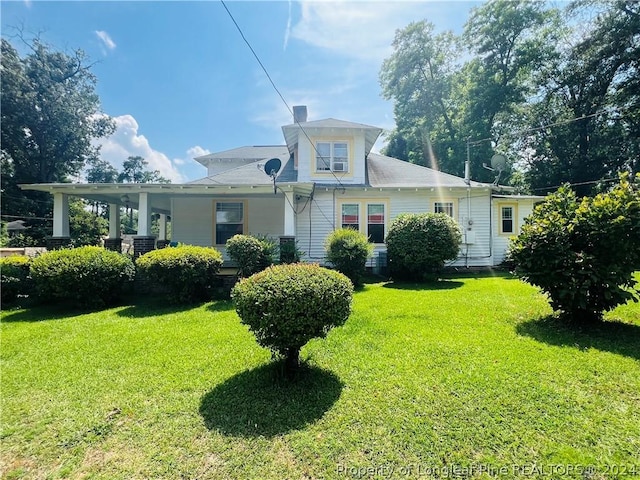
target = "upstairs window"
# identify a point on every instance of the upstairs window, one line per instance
(332, 156)
(443, 207)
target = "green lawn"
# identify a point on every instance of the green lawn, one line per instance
(423, 381)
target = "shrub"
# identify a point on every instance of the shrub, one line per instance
(185, 273)
(15, 279)
(582, 253)
(86, 276)
(348, 251)
(285, 306)
(418, 245)
(251, 254)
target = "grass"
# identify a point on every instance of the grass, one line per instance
(470, 378)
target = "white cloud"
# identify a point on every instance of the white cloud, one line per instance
(105, 39)
(287, 32)
(126, 142)
(364, 30)
(192, 153)
(27, 3)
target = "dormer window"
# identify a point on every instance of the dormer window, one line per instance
(332, 156)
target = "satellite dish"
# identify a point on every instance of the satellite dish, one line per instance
(272, 167)
(498, 162)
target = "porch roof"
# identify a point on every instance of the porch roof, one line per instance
(160, 194)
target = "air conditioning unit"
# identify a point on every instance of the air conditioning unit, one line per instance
(339, 167)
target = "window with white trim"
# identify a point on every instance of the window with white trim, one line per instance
(229, 221)
(350, 216)
(375, 222)
(332, 156)
(443, 207)
(507, 224)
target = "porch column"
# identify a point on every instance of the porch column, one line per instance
(144, 242)
(289, 215)
(114, 242)
(144, 215)
(60, 215)
(60, 238)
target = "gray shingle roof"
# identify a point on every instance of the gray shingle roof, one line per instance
(257, 152)
(253, 173)
(386, 171)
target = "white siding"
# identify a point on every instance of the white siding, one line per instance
(192, 220)
(325, 217)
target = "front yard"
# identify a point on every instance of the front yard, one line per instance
(470, 378)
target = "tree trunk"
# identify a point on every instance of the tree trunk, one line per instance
(292, 361)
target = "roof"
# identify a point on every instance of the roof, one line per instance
(291, 132)
(247, 153)
(386, 171)
(253, 173)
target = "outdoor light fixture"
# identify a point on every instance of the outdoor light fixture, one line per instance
(125, 199)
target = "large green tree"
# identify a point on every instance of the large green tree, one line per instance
(50, 114)
(592, 96)
(449, 90)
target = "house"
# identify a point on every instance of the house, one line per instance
(324, 177)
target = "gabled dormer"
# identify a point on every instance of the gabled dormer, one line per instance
(329, 151)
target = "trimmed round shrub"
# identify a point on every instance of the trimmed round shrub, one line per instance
(85, 277)
(582, 253)
(285, 306)
(15, 279)
(185, 274)
(418, 245)
(250, 254)
(348, 251)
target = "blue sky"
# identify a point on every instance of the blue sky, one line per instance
(180, 81)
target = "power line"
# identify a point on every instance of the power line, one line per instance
(590, 182)
(555, 124)
(264, 69)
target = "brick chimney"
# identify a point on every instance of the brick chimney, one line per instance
(299, 114)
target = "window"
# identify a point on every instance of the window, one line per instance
(351, 216)
(229, 221)
(443, 207)
(506, 220)
(332, 156)
(366, 217)
(375, 222)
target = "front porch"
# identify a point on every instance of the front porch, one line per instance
(205, 215)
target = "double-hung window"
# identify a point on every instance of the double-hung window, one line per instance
(373, 225)
(230, 218)
(443, 207)
(507, 224)
(332, 156)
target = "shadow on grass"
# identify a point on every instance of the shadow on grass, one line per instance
(157, 306)
(261, 402)
(615, 337)
(32, 312)
(439, 285)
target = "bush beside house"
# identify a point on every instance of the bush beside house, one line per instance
(583, 253)
(250, 254)
(185, 273)
(418, 245)
(86, 277)
(285, 306)
(348, 251)
(14, 277)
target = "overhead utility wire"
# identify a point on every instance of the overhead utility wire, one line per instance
(554, 124)
(264, 69)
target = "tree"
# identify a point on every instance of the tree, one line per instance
(50, 115)
(441, 101)
(134, 171)
(582, 253)
(592, 95)
(285, 306)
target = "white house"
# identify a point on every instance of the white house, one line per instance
(325, 177)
